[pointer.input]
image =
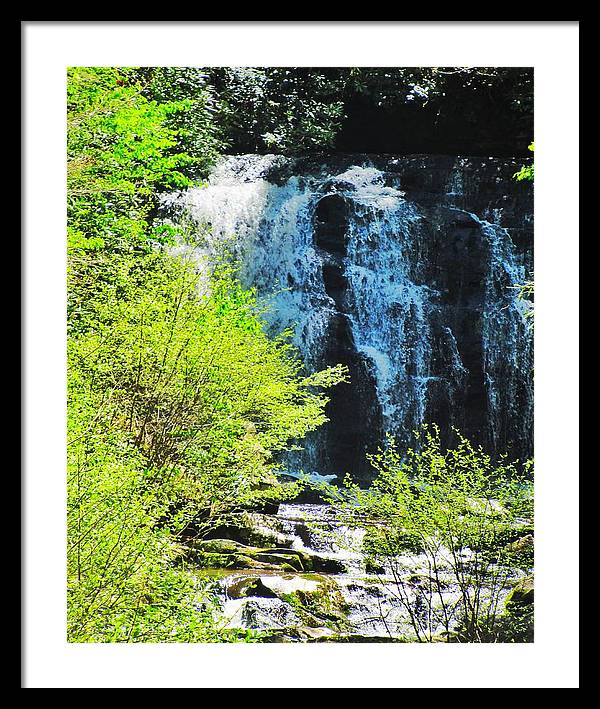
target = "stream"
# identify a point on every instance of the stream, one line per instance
(355, 603)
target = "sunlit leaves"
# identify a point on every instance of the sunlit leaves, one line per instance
(526, 173)
(178, 402)
(453, 511)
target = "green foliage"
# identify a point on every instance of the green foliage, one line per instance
(176, 408)
(452, 514)
(526, 173)
(303, 109)
(121, 585)
(196, 379)
(120, 151)
(389, 86)
(278, 109)
(525, 293)
(178, 401)
(198, 133)
(526, 289)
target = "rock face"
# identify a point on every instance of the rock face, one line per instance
(402, 268)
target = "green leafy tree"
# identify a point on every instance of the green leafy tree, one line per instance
(444, 525)
(304, 109)
(177, 409)
(278, 109)
(197, 132)
(178, 401)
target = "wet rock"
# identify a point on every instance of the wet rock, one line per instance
(310, 561)
(357, 638)
(316, 602)
(263, 530)
(524, 545)
(242, 561)
(267, 508)
(219, 546)
(462, 219)
(331, 216)
(373, 567)
(368, 588)
(254, 529)
(276, 559)
(522, 594)
(313, 494)
(248, 586)
(227, 553)
(298, 634)
(264, 613)
(278, 636)
(308, 634)
(354, 411)
(325, 635)
(325, 602)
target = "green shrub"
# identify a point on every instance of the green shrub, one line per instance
(178, 401)
(458, 510)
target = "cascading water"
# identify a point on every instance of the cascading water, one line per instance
(404, 269)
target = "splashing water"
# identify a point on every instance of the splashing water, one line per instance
(380, 271)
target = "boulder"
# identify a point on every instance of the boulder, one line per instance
(263, 613)
(308, 634)
(522, 593)
(243, 561)
(316, 601)
(219, 546)
(277, 559)
(356, 638)
(324, 635)
(227, 553)
(249, 587)
(254, 528)
(373, 567)
(310, 561)
(323, 604)
(524, 545)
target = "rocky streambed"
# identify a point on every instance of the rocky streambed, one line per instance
(299, 575)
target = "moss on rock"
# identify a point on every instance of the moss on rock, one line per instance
(226, 553)
(522, 594)
(323, 605)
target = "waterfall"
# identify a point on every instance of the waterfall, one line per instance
(404, 269)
